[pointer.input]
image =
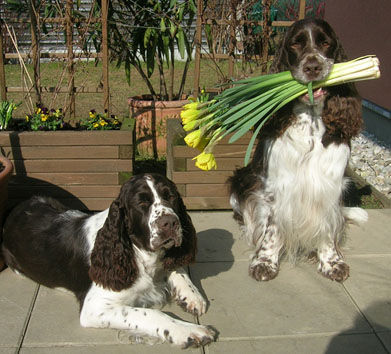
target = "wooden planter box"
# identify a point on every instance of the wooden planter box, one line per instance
(202, 190)
(82, 169)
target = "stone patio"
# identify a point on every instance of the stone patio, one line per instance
(298, 312)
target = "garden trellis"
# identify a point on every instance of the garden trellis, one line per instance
(234, 21)
(68, 22)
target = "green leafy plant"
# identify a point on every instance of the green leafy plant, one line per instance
(44, 119)
(144, 35)
(251, 102)
(6, 110)
(97, 121)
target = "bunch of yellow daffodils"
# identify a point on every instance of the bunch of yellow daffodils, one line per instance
(251, 102)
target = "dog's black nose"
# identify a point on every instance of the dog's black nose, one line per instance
(168, 222)
(312, 68)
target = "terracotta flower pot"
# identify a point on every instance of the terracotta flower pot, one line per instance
(150, 128)
(6, 168)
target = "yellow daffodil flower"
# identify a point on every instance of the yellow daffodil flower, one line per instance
(189, 115)
(193, 139)
(190, 126)
(196, 140)
(96, 125)
(205, 161)
(192, 105)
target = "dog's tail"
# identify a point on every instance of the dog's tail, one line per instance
(356, 216)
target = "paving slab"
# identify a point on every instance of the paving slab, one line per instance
(16, 296)
(55, 320)
(219, 238)
(106, 349)
(7, 350)
(298, 301)
(370, 287)
(373, 237)
(386, 339)
(350, 344)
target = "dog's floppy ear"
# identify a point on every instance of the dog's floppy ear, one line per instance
(184, 254)
(342, 115)
(113, 263)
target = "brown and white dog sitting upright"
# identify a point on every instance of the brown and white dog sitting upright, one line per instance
(288, 199)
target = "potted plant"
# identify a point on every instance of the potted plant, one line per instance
(144, 35)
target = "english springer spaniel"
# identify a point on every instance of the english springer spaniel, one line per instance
(117, 262)
(288, 199)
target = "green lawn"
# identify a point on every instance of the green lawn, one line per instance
(90, 75)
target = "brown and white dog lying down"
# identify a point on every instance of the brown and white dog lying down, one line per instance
(117, 262)
(288, 200)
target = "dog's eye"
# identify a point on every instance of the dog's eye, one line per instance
(167, 196)
(296, 45)
(145, 200)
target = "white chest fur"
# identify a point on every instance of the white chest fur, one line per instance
(149, 289)
(305, 178)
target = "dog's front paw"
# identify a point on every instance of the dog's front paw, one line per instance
(263, 270)
(190, 299)
(191, 335)
(338, 270)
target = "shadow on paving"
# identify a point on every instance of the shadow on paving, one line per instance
(343, 342)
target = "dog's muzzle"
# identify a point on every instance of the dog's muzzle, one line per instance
(168, 232)
(313, 68)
